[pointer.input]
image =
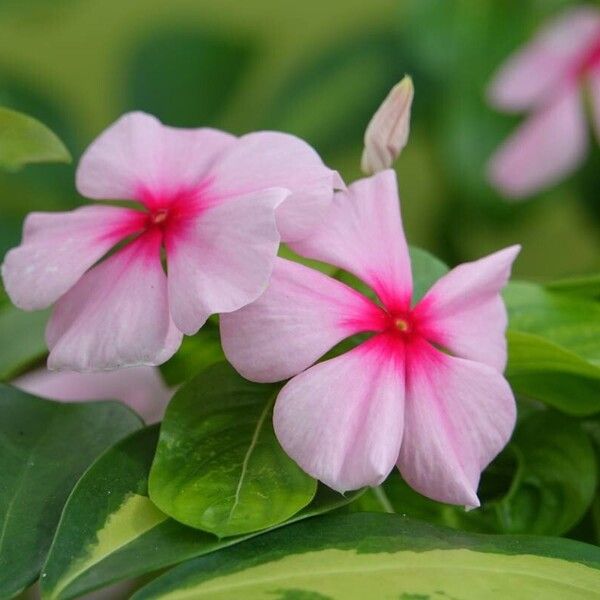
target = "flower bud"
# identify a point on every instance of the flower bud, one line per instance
(387, 132)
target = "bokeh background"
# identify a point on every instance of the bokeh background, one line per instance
(315, 68)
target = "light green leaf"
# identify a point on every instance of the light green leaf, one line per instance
(346, 557)
(23, 140)
(21, 339)
(218, 466)
(44, 448)
(538, 368)
(586, 287)
(426, 269)
(110, 531)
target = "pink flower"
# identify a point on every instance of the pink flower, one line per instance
(209, 208)
(141, 388)
(424, 392)
(546, 78)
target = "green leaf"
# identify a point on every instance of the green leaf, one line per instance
(538, 368)
(110, 531)
(570, 322)
(22, 340)
(24, 140)
(218, 466)
(184, 76)
(543, 483)
(45, 447)
(426, 270)
(554, 347)
(385, 556)
(586, 287)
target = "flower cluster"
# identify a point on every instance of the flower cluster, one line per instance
(424, 390)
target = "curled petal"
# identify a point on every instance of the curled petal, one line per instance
(270, 159)
(387, 132)
(549, 146)
(117, 315)
(58, 248)
(464, 311)
(341, 420)
(459, 414)
(531, 75)
(301, 316)
(223, 259)
(139, 158)
(363, 234)
(141, 388)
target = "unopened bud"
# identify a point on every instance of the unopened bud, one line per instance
(387, 132)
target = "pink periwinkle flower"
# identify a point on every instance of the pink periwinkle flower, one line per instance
(141, 388)
(214, 207)
(425, 392)
(547, 78)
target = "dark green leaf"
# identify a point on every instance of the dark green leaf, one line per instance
(110, 530)
(23, 140)
(218, 466)
(385, 556)
(44, 448)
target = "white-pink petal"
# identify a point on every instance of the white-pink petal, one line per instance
(362, 233)
(141, 388)
(223, 259)
(271, 159)
(459, 414)
(546, 148)
(117, 315)
(342, 419)
(138, 155)
(464, 311)
(533, 74)
(301, 316)
(58, 248)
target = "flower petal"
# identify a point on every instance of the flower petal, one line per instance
(138, 155)
(271, 159)
(117, 315)
(464, 311)
(458, 415)
(531, 75)
(58, 248)
(545, 149)
(341, 420)
(363, 234)
(224, 260)
(141, 388)
(302, 314)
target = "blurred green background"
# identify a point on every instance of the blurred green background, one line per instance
(316, 68)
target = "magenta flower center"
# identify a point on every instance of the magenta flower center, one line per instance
(590, 60)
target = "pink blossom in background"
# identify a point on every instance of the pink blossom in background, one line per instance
(425, 392)
(141, 388)
(547, 78)
(209, 208)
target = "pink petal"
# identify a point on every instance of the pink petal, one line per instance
(531, 75)
(363, 235)
(301, 316)
(594, 86)
(464, 311)
(459, 414)
(224, 259)
(549, 146)
(341, 420)
(270, 159)
(58, 248)
(137, 155)
(141, 388)
(117, 315)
